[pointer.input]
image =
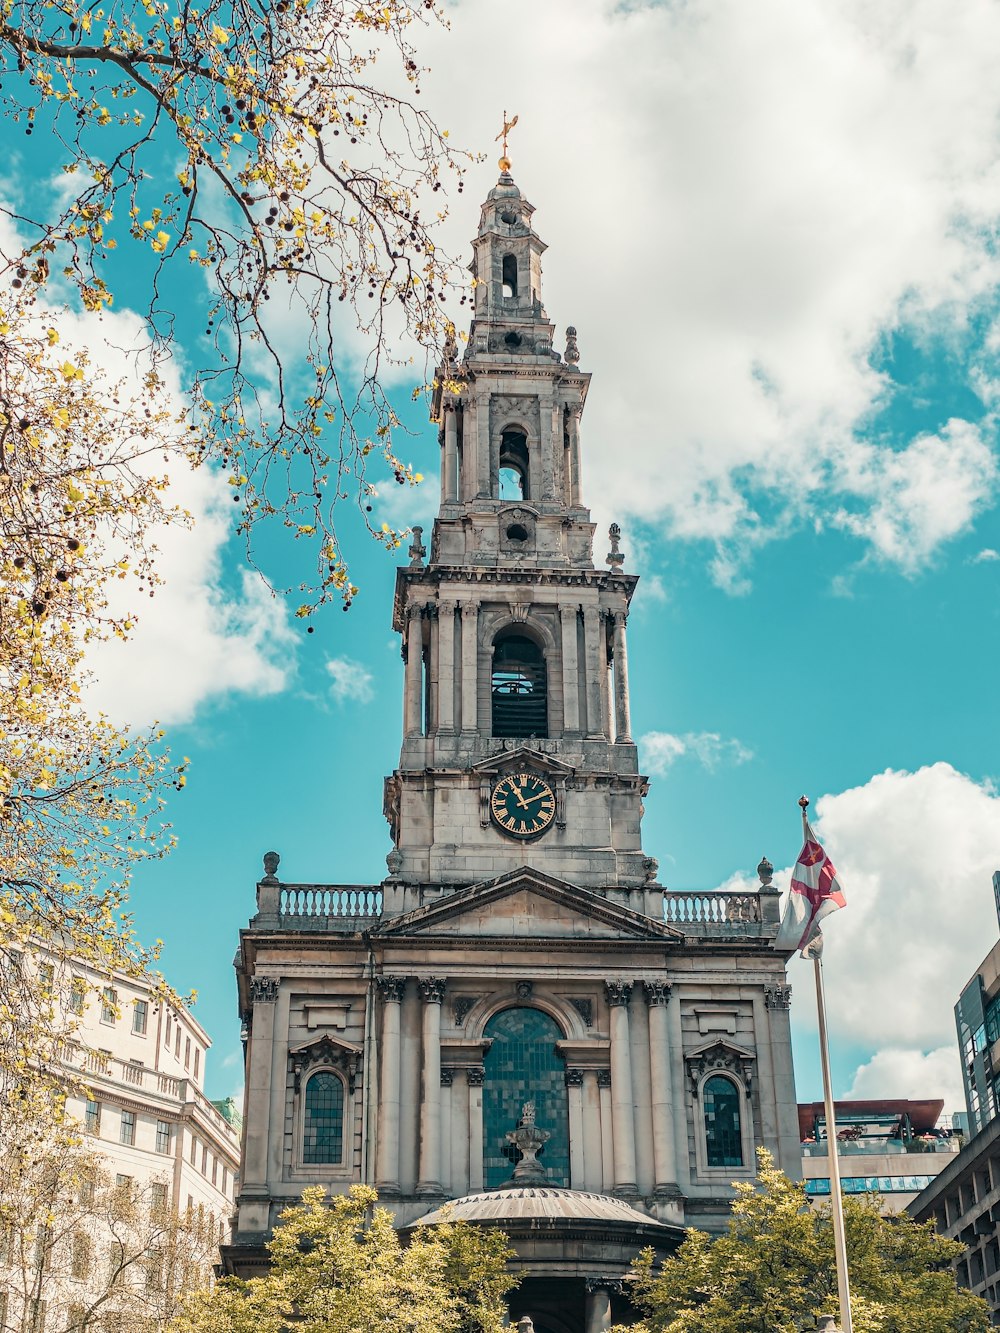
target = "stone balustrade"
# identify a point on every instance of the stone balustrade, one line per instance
(340, 907)
(715, 912)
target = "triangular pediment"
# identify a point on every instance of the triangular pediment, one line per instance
(527, 903)
(514, 761)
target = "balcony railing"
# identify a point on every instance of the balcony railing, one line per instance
(328, 907)
(713, 913)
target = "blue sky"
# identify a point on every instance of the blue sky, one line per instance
(775, 228)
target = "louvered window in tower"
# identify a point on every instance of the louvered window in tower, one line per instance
(520, 696)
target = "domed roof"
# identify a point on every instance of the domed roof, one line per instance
(538, 1202)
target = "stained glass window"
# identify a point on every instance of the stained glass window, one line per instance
(523, 1065)
(723, 1139)
(323, 1136)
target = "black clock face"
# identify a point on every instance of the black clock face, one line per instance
(522, 805)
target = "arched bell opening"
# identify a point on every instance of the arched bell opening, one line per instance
(519, 687)
(509, 277)
(514, 484)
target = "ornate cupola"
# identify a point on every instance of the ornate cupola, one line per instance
(517, 747)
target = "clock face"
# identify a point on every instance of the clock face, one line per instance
(522, 805)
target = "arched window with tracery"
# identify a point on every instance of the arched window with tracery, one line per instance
(523, 1065)
(323, 1124)
(518, 687)
(723, 1130)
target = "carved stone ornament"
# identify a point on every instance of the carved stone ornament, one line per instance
(585, 1008)
(618, 992)
(447, 1076)
(720, 1057)
(650, 869)
(271, 862)
(475, 1075)
(463, 1004)
(432, 989)
(615, 1286)
(263, 990)
(391, 988)
(394, 861)
(604, 1078)
(657, 992)
(524, 989)
(574, 1078)
(765, 872)
(328, 1053)
(572, 353)
(778, 997)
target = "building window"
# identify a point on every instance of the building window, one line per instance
(194, 1151)
(513, 479)
(215, 1170)
(166, 1036)
(509, 275)
(518, 687)
(46, 975)
(163, 1136)
(157, 1197)
(92, 1118)
(127, 1132)
(177, 1042)
(187, 1052)
(523, 1065)
(80, 1259)
(140, 1016)
(204, 1159)
(197, 1061)
(225, 1180)
(723, 1135)
(323, 1131)
(77, 995)
(109, 1004)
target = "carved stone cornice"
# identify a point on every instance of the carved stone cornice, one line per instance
(325, 1051)
(778, 997)
(391, 988)
(263, 990)
(720, 1057)
(432, 989)
(657, 992)
(618, 992)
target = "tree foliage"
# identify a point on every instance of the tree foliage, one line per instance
(279, 151)
(81, 489)
(338, 1266)
(81, 1248)
(773, 1270)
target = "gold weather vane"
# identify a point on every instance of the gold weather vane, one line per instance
(508, 125)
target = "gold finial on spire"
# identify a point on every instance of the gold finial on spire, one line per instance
(508, 125)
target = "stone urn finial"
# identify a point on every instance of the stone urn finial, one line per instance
(572, 353)
(765, 871)
(271, 862)
(417, 549)
(615, 557)
(529, 1140)
(525, 1324)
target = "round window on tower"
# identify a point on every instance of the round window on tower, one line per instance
(508, 217)
(512, 340)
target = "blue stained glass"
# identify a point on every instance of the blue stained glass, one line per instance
(523, 1065)
(722, 1122)
(323, 1136)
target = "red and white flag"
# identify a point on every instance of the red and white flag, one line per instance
(814, 894)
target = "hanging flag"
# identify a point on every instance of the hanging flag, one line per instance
(814, 894)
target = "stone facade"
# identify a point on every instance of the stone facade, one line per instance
(518, 884)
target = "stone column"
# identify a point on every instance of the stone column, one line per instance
(596, 661)
(661, 1083)
(623, 721)
(607, 716)
(431, 675)
(263, 994)
(474, 1075)
(470, 684)
(675, 1058)
(447, 1080)
(593, 1165)
(546, 450)
(414, 672)
(597, 1309)
(618, 994)
(446, 667)
(607, 1135)
(571, 670)
(575, 464)
(450, 491)
(484, 450)
(432, 994)
(574, 1096)
(467, 460)
(387, 1171)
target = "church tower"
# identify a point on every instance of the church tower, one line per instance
(518, 1019)
(517, 742)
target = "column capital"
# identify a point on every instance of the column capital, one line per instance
(615, 1286)
(263, 990)
(778, 997)
(569, 611)
(470, 609)
(657, 992)
(391, 988)
(604, 1078)
(574, 1078)
(620, 618)
(432, 989)
(618, 992)
(447, 1076)
(475, 1075)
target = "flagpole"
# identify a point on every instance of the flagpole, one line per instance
(836, 1197)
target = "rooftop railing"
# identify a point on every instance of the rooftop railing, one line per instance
(714, 912)
(328, 907)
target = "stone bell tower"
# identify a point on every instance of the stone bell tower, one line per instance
(515, 644)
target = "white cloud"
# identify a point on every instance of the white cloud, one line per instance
(778, 189)
(659, 750)
(915, 853)
(349, 680)
(915, 1073)
(986, 556)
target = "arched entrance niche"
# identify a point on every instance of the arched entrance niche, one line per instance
(523, 1065)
